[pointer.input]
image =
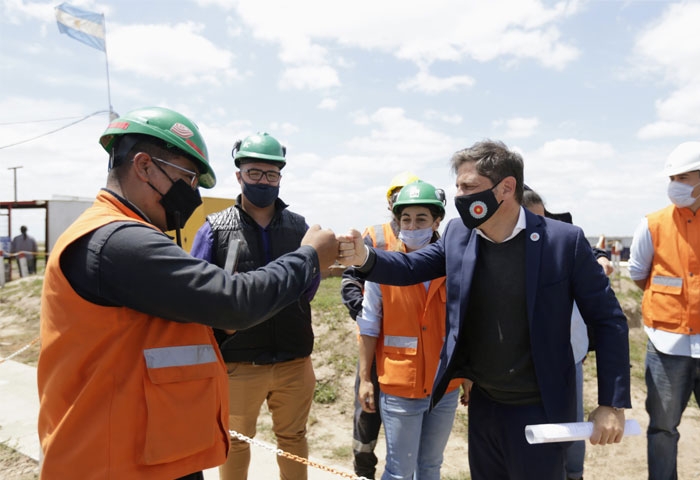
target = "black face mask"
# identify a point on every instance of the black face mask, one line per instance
(476, 208)
(261, 195)
(179, 202)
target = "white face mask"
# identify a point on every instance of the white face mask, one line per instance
(680, 194)
(415, 239)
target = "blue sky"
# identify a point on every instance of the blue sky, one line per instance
(594, 94)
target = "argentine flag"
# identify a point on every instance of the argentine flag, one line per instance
(84, 26)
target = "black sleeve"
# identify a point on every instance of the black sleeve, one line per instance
(351, 291)
(599, 252)
(138, 267)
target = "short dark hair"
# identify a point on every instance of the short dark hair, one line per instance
(128, 146)
(124, 153)
(493, 160)
(530, 198)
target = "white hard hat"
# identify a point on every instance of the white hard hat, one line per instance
(684, 158)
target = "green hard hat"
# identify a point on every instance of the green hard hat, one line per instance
(174, 129)
(261, 146)
(420, 193)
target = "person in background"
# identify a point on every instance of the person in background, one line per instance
(269, 362)
(511, 280)
(404, 327)
(664, 260)
(366, 424)
(24, 243)
(580, 345)
(131, 382)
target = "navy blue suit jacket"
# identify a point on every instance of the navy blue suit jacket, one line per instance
(560, 268)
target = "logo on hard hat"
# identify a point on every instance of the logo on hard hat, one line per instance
(478, 209)
(120, 125)
(181, 130)
(414, 192)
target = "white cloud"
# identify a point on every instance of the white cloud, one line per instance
(328, 104)
(666, 129)
(224, 4)
(391, 142)
(300, 51)
(519, 127)
(399, 139)
(309, 77)
(598, 184)
(666, 47)
(427, 83)
(312, 31)
(177, 53)
(668, 44)
(280, 130)
(453, 119)
(44, 165)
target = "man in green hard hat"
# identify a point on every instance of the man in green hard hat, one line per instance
(271, 361)
(131, 381)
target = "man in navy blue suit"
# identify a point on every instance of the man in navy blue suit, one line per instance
(512, 278)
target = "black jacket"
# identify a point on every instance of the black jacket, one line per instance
(288, 334)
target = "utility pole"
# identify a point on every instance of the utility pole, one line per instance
(15, 177)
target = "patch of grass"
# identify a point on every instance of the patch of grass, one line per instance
(638, 351)
(328, 294)
(328, 305)
(341, 452)
(342, 364)
(325, 392)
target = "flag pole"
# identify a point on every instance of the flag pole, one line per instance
(112, 114)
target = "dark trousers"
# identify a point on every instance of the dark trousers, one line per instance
(498, 449)
(192, 476)
(365, 430)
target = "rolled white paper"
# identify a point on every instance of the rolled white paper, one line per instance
(570, 432)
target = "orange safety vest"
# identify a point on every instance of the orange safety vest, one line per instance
(124, 394)
(671, 299)
(413, 332)
(383, 236)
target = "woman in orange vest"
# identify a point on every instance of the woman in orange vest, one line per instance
(405, 328)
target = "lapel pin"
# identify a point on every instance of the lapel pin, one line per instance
(534, 236)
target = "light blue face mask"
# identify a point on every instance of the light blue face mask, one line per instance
(415, 239)
(681, 194)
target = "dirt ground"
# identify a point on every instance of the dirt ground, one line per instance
(330, 422)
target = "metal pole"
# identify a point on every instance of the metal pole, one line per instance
(112, 113)
(15, 179)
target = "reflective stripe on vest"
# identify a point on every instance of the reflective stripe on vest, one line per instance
(667, 281)
(400, 342)
(179, 356)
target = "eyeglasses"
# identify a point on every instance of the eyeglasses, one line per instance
(194, 181)
(256, 175)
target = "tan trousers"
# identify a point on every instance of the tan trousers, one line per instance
(288, 388)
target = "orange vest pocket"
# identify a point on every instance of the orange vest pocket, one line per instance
(169, 435)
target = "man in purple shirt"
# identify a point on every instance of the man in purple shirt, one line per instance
(270, 362)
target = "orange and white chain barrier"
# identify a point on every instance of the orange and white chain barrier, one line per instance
(296, 458)
(20, 350)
